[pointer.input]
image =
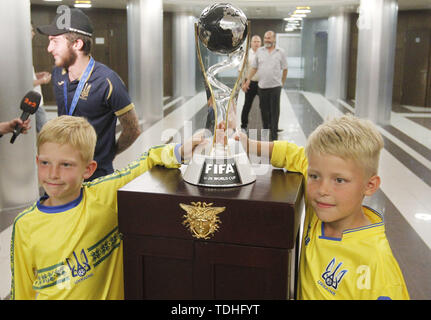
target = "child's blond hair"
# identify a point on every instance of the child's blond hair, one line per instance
(348, 137)
(76, 131)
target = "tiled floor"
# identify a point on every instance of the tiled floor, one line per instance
(405, 168)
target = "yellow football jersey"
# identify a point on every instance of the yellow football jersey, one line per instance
(359, 265)
(75, 251)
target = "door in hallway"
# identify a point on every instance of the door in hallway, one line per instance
(416, 68)
(318, 82)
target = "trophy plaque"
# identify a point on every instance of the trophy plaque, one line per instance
(222, 29)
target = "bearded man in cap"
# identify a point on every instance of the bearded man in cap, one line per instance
(86, 88)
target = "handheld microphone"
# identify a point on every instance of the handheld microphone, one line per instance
(29, 105)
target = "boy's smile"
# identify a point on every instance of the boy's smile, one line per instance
(61, 172)
(324, 205)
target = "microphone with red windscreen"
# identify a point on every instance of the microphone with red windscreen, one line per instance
(29, 105)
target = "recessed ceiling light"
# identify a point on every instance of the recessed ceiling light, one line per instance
(292, 19)
(82, 4)
(423, 216)
(302, 15)
(301, 11)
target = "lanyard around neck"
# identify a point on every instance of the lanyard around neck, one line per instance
(78, 91)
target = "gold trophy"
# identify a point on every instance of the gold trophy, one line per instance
(222, 29)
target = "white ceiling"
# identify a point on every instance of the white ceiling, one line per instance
(255, 9)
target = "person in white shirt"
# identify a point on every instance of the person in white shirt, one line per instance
(251, 90)
(270, 64)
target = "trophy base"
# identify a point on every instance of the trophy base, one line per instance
(219, 171)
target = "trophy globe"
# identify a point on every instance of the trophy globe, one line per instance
(222, 29)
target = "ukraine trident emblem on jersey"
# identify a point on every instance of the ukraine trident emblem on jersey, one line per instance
(331, 277)
(79, 268)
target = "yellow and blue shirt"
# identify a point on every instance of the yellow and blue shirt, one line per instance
(358, 266)
(75, 251)
(104, 97)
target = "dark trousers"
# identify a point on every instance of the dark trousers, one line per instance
(248, 101)
(270, 110)
(209, 124)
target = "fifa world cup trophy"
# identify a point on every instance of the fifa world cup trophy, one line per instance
(222, 29)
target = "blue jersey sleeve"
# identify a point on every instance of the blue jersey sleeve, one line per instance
(117, 96)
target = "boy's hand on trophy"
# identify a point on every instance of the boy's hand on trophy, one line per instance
(196, 143)
(242, 137)
(220, 134)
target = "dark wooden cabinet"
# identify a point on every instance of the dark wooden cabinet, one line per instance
(252, 255)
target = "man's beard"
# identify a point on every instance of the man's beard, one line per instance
(69, 58)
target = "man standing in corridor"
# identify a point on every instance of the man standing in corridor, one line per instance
(251, 89)
(270, 64)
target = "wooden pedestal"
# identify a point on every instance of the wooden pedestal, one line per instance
(252, 255)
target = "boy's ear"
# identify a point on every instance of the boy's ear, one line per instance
(372, 185)
(89, 169)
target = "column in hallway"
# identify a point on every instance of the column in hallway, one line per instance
(377, 26)
(145, 54)
(18, 184)
(338, 54)
(184, 55)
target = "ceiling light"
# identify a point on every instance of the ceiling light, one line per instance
(301, 11)
(82, 4)
(292, 19)
(423, 216)
(298, 15)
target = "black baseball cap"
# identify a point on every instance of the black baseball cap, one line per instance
(69, 20)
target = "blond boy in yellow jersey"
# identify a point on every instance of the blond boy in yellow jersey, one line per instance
(345, 253)
(67, 245)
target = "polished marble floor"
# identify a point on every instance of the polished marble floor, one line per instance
(405, 168)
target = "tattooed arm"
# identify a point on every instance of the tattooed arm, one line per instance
(130, 131)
